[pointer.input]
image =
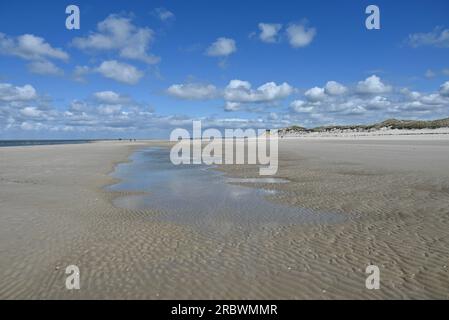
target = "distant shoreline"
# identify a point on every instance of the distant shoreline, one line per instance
(19, 143)
(46, 142)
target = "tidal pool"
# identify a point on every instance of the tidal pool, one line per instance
(201, 197)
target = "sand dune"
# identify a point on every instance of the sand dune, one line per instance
(393, 193)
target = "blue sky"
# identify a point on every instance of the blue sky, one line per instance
(142, 68)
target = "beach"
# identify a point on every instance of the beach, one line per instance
(393, 193)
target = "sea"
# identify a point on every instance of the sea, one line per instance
(18, 143)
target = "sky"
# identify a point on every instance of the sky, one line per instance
(139, 69)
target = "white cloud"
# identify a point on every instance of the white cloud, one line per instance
(30, 126)
(372, 85)
(222, 47)
(31, 112)
(273, 116)
(109, 109)
(334, 88)
(315, 94)
(235, 94)
(434, 98)
(77, 106)
(45, 68)
(413, 95)
(232, 106)
(110, 97)
(300, 36)
(301, 106)
(240, 91)
(121, 72)
(193, 91)
(80, 72)
(269, 32)
(444, 89)
(117, 33)
(9, 92)
(34, 49)
(377, 103)
(239, 84)
(163, 14)
(437, 38)
(381, 103)
(21, 108)
(30, 47)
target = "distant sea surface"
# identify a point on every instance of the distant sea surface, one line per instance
(16, 143)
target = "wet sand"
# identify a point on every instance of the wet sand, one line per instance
(394, 193)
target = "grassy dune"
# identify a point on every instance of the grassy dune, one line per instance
(390, 123)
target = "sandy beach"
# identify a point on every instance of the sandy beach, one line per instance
(392, 191)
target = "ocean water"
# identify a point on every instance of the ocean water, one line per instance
(199, 196)
(18, 143)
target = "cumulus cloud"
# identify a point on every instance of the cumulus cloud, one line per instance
(241, 91)
(315, 94)
(163, 14)
(100, 115)
(236, 94)
(222, 47)
(109, 109)
(299, 35)
(437, 38)
(370, 100)
(34, 49)
(80, 72)
(22, 107)
(300, 106)
(193, 91)
(121, 72)
(8, 92)
(377, 103)
(434, 98)
(119, 34)
(269, 32)
(45, 68)
(334, 88)
(110, 97)
(27, 126)
(414, 95)
(31, 112)
(372, 85)
(232, 106)
(236, 91)
(239, 84)
(30, 47)
(444, 89)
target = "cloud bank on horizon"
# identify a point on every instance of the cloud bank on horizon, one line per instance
(142, 69)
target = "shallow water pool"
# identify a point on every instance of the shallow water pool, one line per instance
(199, 196)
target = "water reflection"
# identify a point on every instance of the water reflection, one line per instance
(198, 196)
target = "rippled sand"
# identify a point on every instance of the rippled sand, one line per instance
(395, 194)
